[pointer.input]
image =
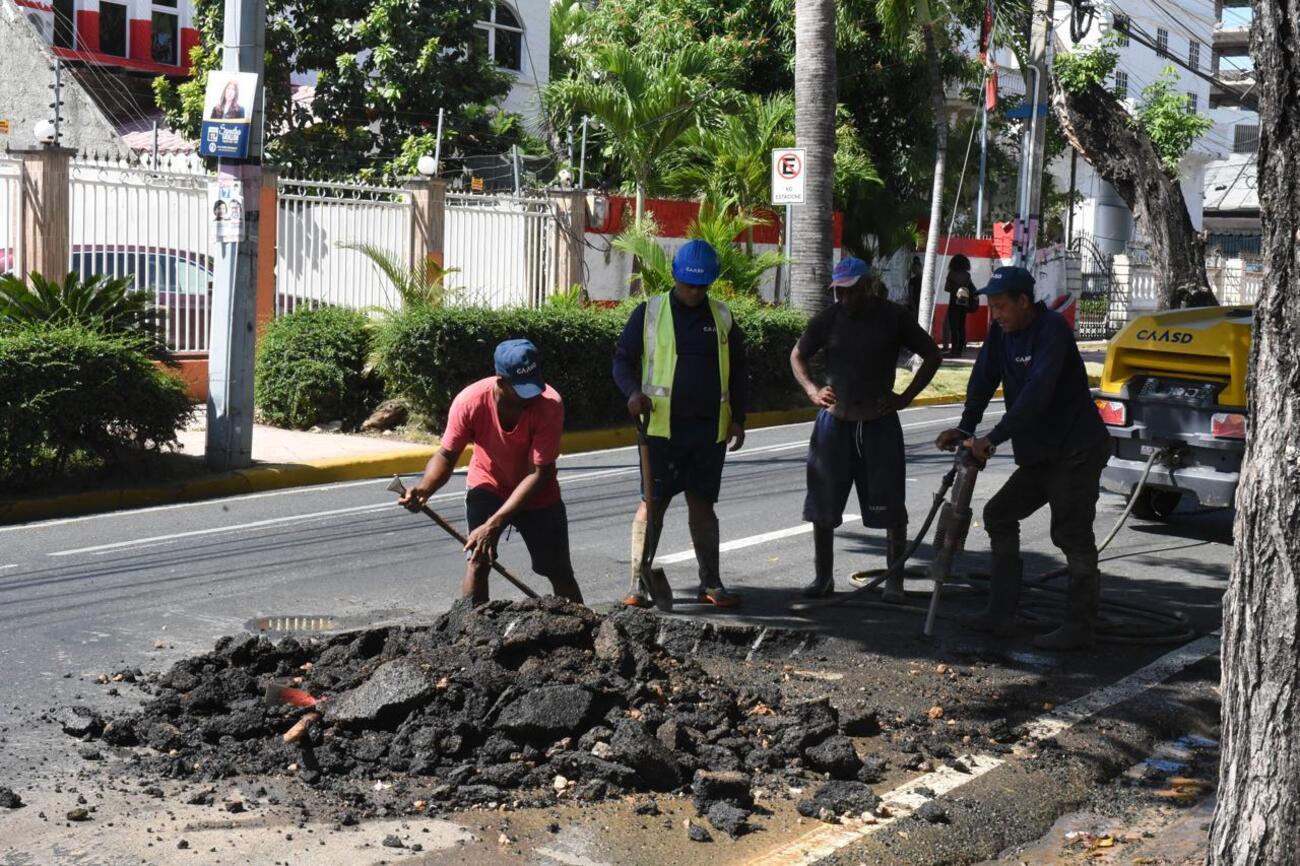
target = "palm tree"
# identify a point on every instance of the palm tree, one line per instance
(644, 98)
(424, 285)
(814, 98)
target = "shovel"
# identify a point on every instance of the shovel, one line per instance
(653, 579)
(399, 488)
(277, 694)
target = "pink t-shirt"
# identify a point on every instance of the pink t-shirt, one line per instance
(503, 458)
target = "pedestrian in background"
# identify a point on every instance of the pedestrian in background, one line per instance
(857, 439)
(961, 301)
(681, 360)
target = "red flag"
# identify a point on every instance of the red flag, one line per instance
(986, 51)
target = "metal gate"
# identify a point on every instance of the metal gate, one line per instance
(501, 249)
(1103, 300)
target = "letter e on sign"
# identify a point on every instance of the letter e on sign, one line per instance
(787, 175)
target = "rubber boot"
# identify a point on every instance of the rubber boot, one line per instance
(1081, 598)
(823, 583)
(895, 548)
(638, 594)
(706, 541)
(999, 617)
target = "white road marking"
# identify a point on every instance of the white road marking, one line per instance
(10, 565)
(903, 800)
(748, 541)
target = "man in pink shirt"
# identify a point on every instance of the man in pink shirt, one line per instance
(514, 419)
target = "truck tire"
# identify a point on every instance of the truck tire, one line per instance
(1155, 504)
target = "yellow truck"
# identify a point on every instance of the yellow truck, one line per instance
(1174, 385)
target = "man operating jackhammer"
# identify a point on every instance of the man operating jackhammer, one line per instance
(681, 359)
(1060, 446)
(514, 419)
(857, 440)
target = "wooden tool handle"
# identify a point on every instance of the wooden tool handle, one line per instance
(301, 727)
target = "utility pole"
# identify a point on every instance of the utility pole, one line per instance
(1035, 136)
(234, 326)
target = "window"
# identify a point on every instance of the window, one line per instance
(1194, 54)
(65, 33)
(1245, 138)
(165, 47)
(1162, 42)
(1121, 85)
(1121, 26)
(502, 38)
(1192, 103)
(112, 29)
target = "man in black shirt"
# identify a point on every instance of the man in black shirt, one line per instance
(1060, 444)
(961, 302)
(857, 439)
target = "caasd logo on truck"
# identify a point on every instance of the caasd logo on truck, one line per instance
(1164, 336)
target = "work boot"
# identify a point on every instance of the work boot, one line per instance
(999, 617)
(706, 540)
(1081, 598)
(895, 550)
(645, 590)
(823, 563)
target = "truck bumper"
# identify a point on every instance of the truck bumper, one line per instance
(1211, 487)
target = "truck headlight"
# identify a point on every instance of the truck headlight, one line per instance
(1113, 412)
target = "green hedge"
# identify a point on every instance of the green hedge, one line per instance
(311, 368)
(70, 394)
(427, 355)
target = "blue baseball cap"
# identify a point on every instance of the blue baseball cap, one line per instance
(696, 264)
(516, 361)
(848, 271)
(1009, 279)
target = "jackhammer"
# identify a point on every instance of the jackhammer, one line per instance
(954, 524)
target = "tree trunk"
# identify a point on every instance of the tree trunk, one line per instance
(929, 265)
(1099, 128)
(814, 99)
(1257, 816)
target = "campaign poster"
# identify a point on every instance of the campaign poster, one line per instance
(227, 114)
(226, 203)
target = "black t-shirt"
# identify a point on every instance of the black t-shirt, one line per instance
(862, 352)
(961, 292)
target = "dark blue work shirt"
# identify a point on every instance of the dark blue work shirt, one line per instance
(697, 391)
(1050, 412)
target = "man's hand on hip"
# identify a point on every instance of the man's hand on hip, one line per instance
(735, 433)
(823, 397)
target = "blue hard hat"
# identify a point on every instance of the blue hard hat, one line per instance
(1017, 281)
(696, 264)
(517, 362)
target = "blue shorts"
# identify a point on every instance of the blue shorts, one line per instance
(545, 530)
(691, 461)
(867, 455)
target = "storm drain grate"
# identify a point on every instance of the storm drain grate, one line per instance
(292, 624)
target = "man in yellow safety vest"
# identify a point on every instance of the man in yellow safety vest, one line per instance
(681, 359)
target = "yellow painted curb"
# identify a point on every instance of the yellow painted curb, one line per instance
(407, 461)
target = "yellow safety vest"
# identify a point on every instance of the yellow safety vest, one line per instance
(659, 363)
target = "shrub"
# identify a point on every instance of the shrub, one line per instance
(104, 303)
(428, 355)
(69, 393)
(311, 367)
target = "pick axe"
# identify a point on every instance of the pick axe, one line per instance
(399, 488)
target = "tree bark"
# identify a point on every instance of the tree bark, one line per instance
(929, 265)
(1099, 128)
(1257, 816)
(815, 96)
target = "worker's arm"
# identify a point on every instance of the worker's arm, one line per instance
(482, 542)
(439, 468)
(627, 362)
(812, 341)
(738, 387)
(1044, 376)
(923, 345)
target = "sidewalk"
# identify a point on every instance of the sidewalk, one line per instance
(274, 445)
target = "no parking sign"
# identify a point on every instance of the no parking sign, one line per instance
(787, 175)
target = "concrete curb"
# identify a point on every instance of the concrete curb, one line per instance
(274, 476)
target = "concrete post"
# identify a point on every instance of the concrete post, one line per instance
(568, 239)
(43, 211)
(428, 220)
(268, 202)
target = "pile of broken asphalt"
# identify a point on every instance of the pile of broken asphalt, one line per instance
(523, 703)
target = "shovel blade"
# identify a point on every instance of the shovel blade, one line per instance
(277, 694)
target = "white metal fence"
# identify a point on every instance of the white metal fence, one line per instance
(317, 221)
(501, 247)
(10, 225)
(1234, 281)
(151, 226)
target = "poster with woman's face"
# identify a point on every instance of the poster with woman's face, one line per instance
(227, 112)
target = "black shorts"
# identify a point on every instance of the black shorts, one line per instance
(690, 461)
(867, 455)
(545, 530)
